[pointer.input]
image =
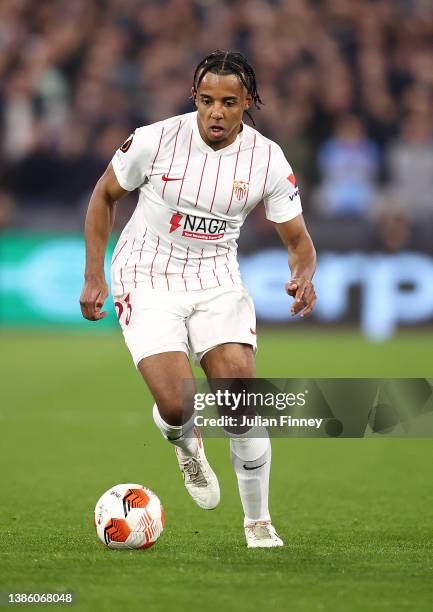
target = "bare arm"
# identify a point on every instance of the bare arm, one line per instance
(97, 230)
(302, 263)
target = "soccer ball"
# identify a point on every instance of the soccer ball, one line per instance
(129, 516)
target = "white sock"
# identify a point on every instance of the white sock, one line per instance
(251, 459)
(182, 436)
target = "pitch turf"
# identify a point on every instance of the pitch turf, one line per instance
(356, 515)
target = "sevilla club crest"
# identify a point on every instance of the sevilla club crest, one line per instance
(240, 188)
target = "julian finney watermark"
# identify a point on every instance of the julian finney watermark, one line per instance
(350, 408)
(283, 420)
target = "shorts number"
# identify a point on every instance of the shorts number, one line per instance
(119, 309)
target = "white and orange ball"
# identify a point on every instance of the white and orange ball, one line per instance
(129, 516)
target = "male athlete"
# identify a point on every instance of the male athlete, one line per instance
(175, 277)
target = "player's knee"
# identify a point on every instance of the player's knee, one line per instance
(171, 410)
(237, 366)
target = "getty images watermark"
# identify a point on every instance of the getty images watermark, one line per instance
(243, 400)
(350, 408)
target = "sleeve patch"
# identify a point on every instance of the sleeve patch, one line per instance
(124, 148)
(292, 179)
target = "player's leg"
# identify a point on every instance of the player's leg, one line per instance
(155, 334)
(250, 452)
(164, 374)
(223, 338)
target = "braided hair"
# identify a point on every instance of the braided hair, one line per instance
(229, 62)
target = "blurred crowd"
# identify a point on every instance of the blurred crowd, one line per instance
(347, 87)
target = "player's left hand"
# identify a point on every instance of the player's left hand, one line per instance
(302, 290)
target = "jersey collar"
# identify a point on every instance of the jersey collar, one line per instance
(234, 146)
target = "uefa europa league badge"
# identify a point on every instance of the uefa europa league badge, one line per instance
(240, 188)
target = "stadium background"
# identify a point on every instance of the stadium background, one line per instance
(348, 89)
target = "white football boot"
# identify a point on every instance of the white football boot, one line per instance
(198, 476)
(262, 534)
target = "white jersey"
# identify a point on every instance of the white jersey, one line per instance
(192, 203)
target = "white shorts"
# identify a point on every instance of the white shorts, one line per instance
(194, 322)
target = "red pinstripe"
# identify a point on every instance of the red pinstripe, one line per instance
(214, 267)
(198, 271)
(184, 266)
(142, 246)
(139, 259)
(234, 177)
(156, 154)
(126, 264)
(216, 183)
(267, 169)
(166, 267)
(186, 167)
(118, 252)
(201, 178)
(172, 158)
(249, 176)
(226, 263)
(153, 261)
(228, 269)
(121, 281)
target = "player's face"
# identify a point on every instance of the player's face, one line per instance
(221, 102)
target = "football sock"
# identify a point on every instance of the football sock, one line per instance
(183, 436)
(251, 459)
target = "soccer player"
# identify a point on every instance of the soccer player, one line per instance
(175, 278)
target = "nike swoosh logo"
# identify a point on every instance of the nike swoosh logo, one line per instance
(253, 331)
(254, 468)
(166, 178)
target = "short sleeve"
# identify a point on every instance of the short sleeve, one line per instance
(281, 199)
(131, 161)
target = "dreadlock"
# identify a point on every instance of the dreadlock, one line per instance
(229, 62)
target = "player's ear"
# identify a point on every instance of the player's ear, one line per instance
(194, 95)
(248, 101)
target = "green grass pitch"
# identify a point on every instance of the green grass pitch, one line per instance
(356, 515)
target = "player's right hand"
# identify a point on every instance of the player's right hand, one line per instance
(302, 290)
(92, 298)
